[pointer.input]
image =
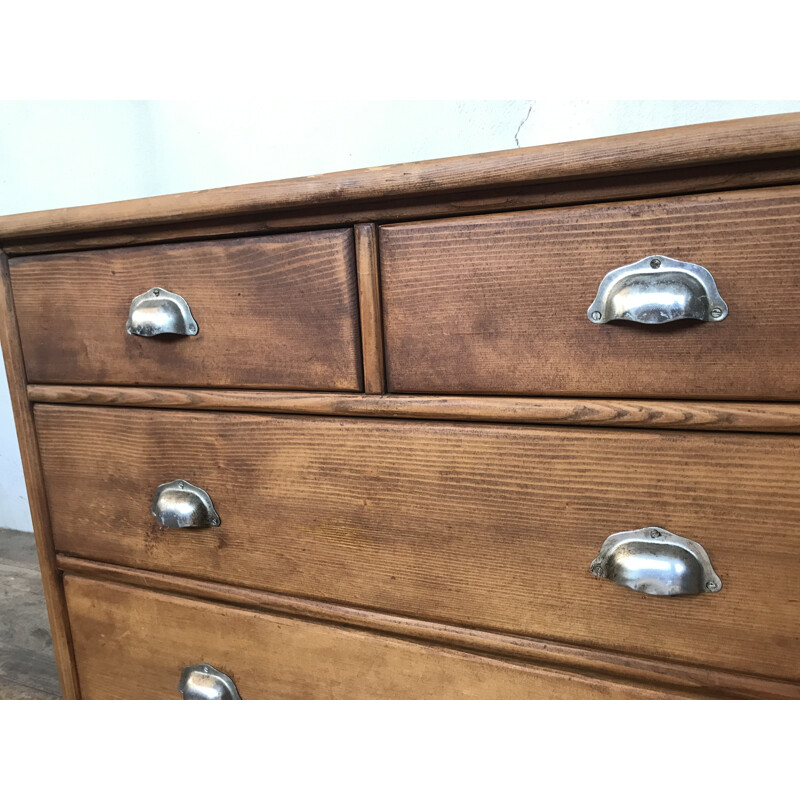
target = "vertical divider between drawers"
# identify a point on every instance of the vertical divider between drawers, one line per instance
(369, 303)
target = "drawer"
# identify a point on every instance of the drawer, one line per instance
(271, 312)
(498, 304)
(487, 526)
(133, 644)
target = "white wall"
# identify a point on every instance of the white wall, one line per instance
(56, 154)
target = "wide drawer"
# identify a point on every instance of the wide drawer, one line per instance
(498, 304)
(133, 644)
(489, 526)
(271, 312)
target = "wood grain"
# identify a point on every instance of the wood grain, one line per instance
(26, 645)
(31, 463)
(548, 653)
(369, 298)
(497, 304)
(714, 177)
(133, 644)
(681, 147)
(480, 526)
(278, 312)
(666, 414)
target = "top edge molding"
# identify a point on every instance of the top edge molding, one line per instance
(749, 139)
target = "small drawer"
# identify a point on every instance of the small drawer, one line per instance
(135, 644)
(499, 304)
(268, 312)
(485, 526)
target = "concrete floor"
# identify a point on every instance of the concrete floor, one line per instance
(27, 663)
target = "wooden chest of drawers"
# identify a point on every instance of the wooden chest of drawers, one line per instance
(357, 435)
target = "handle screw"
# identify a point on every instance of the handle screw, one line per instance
(711, 586)
(655, 263)
(655, 534)
(156, 292)
(716, 312)
(596, 315)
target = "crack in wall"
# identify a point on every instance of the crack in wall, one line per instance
(527, 116)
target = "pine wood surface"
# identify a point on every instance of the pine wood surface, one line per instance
(687, 147)
(132, 644)
(421, 548)
(774, 171)
(366, 238)
(667, 414)
(489, 526)
(624, 666)
(37, 499)
(278, 312)
(497, 304)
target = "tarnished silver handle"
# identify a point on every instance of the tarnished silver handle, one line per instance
(180, 504)
(203, 682)
(158, 311)
(658, 289)
(655, 561)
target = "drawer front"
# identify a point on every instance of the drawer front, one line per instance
(133, 644)
(498, 304)
(489, 526)
(271, 312)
